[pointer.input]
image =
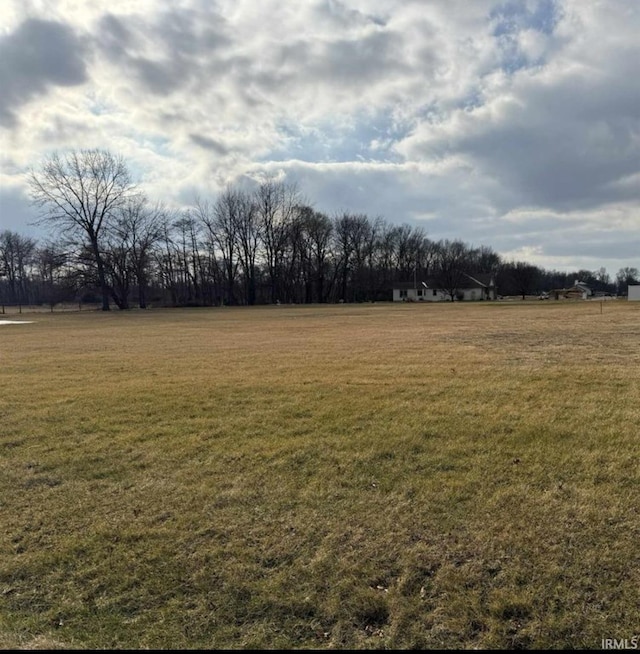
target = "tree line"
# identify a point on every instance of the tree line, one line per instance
(267, 244)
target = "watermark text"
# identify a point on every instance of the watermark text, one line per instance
(621, 643)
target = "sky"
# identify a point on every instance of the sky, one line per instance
(513, 124)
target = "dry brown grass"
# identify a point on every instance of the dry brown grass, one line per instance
(399, 476)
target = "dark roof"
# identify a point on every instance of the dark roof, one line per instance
(407, 285)
(482, 279)
(477, 280)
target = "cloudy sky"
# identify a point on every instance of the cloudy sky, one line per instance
(512, 124)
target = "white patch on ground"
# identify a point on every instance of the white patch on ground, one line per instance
(15, 322)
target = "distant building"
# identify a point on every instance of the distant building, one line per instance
(634, 292)
(410, 292)
(579, 291)
(477, 287)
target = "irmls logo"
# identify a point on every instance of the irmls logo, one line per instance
(621, 643)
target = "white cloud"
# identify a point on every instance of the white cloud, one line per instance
(498, 122)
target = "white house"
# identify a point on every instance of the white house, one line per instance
(584, 290)
(476, 287)
(579, 291)
(634, 292)
(409, 292)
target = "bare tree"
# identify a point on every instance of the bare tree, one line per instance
(166, 260)
(78, 194)
(276, 204)
(364, 236)
(188, 255)
(385, 256)
(522, 277)
(16, 256)
(319, 231)
(315, 237)
(452, 263)
(344, 227)
(118, 268)
(296, 271)
(138, 228)
(485, 260)
(404, 250)
(55, 274)
(248, 234)
(222, 221)
(626, 276)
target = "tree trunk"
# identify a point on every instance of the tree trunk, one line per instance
(102, 278)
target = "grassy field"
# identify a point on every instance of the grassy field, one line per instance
(363, 477)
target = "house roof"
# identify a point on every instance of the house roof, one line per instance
(576, 287)
(403, 286)
(426, 284)
(477, 280)
(572, 290)
(484, 280)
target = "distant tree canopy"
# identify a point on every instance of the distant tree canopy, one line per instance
(263, 245)
(625, 277)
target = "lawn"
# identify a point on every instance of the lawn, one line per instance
(326, 477)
